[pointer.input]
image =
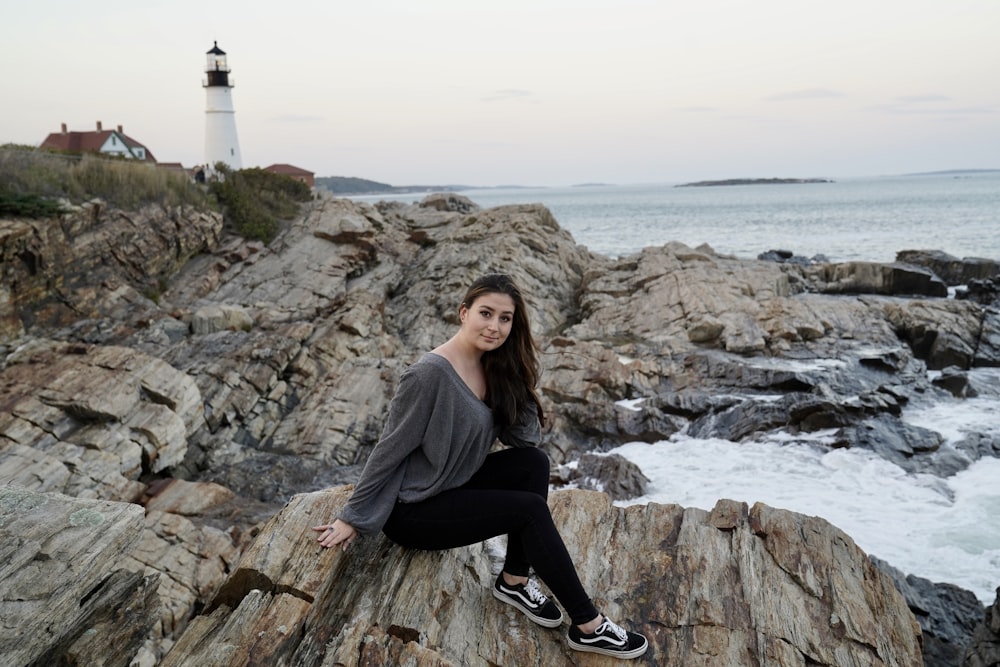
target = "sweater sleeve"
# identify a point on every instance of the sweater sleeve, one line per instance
(378, 488)
(526, 431)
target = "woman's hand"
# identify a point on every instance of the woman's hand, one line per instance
(336, 533)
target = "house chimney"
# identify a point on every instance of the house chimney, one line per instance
(99, 128)
(64, 128)
(120, 130)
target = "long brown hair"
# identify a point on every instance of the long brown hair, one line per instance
(512, 370)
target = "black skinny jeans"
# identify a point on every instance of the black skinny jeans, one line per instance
(507, 495)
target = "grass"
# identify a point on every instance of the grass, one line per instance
(34, 181)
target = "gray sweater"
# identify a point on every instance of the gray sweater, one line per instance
(436, 437)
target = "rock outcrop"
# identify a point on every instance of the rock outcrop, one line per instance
(984, 649)
(734, 586)
(156, 361)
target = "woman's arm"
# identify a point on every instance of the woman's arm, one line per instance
(526, 431)
(377, 490)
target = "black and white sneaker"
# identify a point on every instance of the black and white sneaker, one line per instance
(530, 600)
(609, 639)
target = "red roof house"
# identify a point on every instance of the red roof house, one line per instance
(108, 142)
(298, 174)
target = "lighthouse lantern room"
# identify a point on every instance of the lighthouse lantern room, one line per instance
(221, 142)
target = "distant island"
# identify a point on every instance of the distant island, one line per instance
(349, 185)
(753, 181)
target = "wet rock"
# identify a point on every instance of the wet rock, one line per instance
(611, 473)
(956, 382)
(984, 649)
(948, 615)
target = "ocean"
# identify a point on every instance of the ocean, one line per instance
(941, 529)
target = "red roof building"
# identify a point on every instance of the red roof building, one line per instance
(108, 142)
(298, 174)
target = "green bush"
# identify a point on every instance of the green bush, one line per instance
(256, 201)
(37, 175)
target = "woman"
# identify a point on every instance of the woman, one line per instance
(431, 483)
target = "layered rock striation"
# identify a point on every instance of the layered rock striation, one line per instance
(149, 359)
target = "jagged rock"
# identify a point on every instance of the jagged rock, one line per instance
(952, 270)
(985, 292)
(50, 269)
(612, 474)
(177, 496)
(209, 319)
(449, 201)
(734, 586)
(88, 421)
(948, 333)
(876, 278)
(948, 615)
(984, 649)
(956, 382)
(66, 598)
(634, 348)
(192, 562)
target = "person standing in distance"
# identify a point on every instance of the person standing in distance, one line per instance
(432, 483)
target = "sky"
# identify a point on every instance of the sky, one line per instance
(524, 92)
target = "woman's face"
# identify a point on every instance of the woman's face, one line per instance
(487, 322)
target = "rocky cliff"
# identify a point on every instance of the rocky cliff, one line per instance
(152, 362)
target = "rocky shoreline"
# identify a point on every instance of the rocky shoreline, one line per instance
(151, 362)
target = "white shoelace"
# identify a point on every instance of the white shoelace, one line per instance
(534, 592)
(614, 627)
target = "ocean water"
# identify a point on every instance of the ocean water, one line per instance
(867, 219)
(942, 529)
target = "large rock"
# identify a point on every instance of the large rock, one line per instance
(951, 269)
(734, 586)
(66, 599)
(875, 278)
(984, 649)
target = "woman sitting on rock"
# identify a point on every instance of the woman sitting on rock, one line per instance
(431, 483)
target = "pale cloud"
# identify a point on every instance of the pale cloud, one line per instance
(804, 94)
(697, 109)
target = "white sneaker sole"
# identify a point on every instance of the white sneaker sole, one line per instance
(625, 655)
(540, 620)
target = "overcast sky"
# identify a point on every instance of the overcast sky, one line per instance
(530, 92)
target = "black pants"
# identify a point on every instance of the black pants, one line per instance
(507, 495)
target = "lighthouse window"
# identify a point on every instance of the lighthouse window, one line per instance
(232, 151)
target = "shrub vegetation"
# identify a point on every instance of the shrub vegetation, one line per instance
(256, 201)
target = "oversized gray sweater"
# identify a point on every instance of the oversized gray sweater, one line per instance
(436, 437)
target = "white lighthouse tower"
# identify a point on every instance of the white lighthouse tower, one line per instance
(221, 142)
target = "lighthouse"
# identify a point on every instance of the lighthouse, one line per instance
(221, 142)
